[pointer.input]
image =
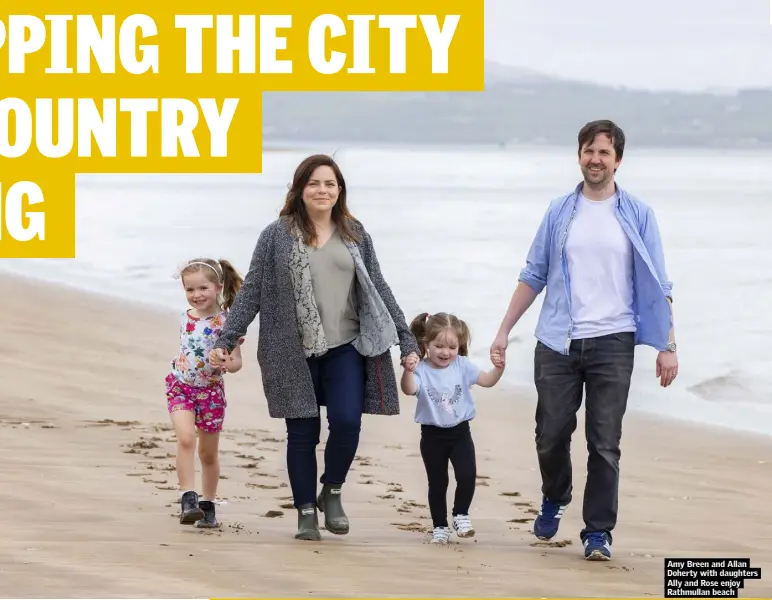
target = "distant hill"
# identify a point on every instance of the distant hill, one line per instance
(521, 106)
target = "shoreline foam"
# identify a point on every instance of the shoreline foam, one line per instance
(701, 412)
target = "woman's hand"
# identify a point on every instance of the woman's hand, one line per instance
(410, 362)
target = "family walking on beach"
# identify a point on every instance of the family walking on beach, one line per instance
(328, 321)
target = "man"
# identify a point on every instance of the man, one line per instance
(599, 255)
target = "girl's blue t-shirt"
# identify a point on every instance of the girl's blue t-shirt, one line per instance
(443, 395)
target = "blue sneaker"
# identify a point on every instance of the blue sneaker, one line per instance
(546, 524)
(597, 546)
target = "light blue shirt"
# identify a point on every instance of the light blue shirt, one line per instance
(546, 266)
(443, 396)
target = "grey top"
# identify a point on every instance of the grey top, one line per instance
(268, 290)
(334, 282)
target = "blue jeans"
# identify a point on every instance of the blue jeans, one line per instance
(339, 385)
(601, 368)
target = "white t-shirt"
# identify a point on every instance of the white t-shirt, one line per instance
(600, 267)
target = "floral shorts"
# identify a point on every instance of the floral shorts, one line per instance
(207, 402)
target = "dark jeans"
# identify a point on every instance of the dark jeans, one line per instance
(602, 366)
(339, 384)
(438, 446)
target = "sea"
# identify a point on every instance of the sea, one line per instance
(452, 226)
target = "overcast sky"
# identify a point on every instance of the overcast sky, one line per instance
(657, 44)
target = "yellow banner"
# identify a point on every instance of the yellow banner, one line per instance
(170, 87)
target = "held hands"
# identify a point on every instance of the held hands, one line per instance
(410, 362)
(220, 359)
(667, 368)
(498, 351)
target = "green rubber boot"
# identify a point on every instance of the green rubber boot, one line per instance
(308, 524)
(329, 502)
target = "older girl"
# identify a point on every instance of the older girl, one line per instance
(195, 391)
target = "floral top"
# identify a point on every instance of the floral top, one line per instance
(197, 337)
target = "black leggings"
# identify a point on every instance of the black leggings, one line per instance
(438, 446)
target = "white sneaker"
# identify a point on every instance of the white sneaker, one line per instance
(440, 535)
(463, 526)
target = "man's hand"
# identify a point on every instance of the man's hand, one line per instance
(667, 368)
(498, 351)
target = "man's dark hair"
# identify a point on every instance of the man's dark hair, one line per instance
(604, 126)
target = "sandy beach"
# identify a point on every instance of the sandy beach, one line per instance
(88, 485)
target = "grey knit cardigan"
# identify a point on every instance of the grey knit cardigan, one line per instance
(268, 290)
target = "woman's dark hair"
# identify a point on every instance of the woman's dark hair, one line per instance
(295, 209)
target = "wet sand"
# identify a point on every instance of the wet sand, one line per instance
(89, 490)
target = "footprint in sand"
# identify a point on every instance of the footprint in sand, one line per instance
(265, 486)
(272, 514)
(387, 497)
(395, 487)
(363, 461)
(146, 444)
(413, 526)
(409, 505)
(108, 422)
(249, 457)
(560, 544)
(287, 505)
(519, 520)
(510, 494)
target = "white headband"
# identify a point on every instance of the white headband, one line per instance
(199, 262)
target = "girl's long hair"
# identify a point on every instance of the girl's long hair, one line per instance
(218, 272)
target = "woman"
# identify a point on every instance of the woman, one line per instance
(327, 322)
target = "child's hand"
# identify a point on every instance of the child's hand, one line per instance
(219, 359)
(410, 362)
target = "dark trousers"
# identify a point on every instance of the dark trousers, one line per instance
(438, 446)
(602, 368)
(339, 384)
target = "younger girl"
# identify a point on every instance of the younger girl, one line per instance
(195, 391)
(441, 381)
